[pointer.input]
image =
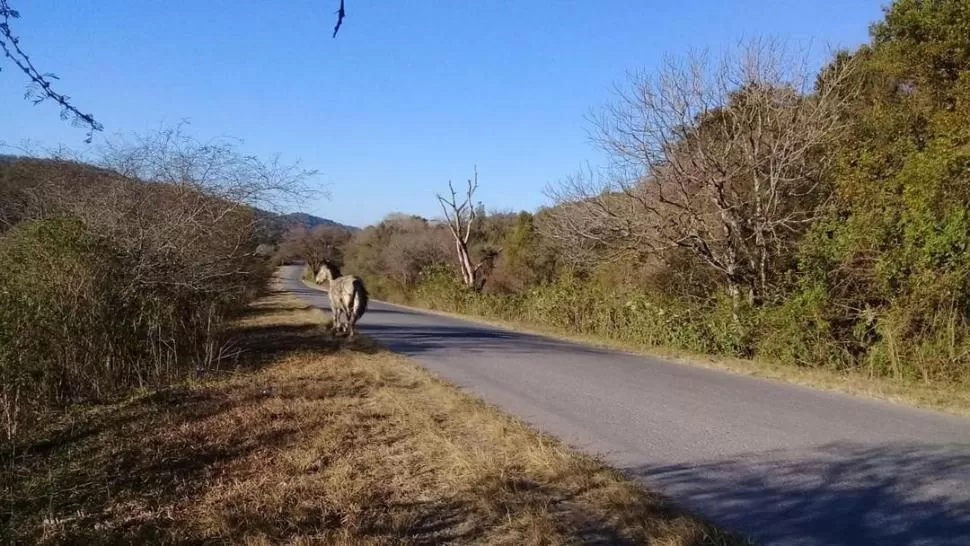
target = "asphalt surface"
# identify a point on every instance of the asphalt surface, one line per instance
(780, 463)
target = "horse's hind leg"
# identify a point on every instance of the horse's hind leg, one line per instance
(337, 322)
(346, 325)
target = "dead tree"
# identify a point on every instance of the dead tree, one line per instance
(461, 216)
(316, 246)
(724, 160)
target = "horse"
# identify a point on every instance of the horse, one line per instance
(348, 297)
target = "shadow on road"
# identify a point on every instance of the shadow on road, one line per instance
(320, 299)
(414, 340)
(841, 493)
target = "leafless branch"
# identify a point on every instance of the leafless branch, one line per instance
(724, 159)
(40, 88)
(340, 18)
(460, 217)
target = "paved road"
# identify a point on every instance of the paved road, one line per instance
(781, 463)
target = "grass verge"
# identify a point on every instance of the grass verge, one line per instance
(313, 440)
(949, 399)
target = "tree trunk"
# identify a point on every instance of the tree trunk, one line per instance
(734, 291)
(761, 289)
(461, 217)
(465, 264)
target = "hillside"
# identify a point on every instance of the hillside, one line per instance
(275, 225)
(21, 175)
(310, 221)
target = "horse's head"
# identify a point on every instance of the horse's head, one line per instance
(327, 273)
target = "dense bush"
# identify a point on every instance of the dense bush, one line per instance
(75, 325)
(885, 273)
(124, 275)
(58, 312)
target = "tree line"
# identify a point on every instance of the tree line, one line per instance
(750, 207)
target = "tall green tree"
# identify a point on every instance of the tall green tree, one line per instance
(892, 254)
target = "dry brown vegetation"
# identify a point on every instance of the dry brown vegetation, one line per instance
(318, 441)
(122, 273)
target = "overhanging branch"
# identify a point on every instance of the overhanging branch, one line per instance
(40, 88)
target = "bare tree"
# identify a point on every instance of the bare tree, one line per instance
(412, 246)
(460, 216)
(725, 160)
(182, 208)
(316, 246)
(400, 248)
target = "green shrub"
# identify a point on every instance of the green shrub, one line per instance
(798, 331)
(574, 304)
(56, 304)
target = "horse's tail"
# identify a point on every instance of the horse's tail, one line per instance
(358, 300)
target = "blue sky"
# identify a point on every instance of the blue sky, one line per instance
(409, 95)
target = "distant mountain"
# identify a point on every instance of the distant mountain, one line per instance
(274, 225)
(310, 221)
(271, 225)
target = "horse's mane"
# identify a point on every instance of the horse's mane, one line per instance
(332, 269)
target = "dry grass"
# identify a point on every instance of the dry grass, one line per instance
(315, 441)
(953, 399)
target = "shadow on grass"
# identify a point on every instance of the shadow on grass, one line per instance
(84, 465)
(263, 344)
(69, 485)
